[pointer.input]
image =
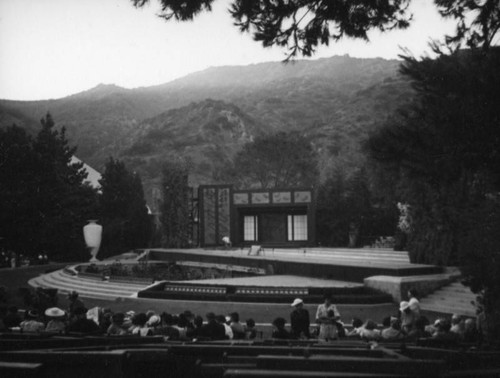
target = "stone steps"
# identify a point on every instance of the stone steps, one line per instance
(454, 298)
(87, 288)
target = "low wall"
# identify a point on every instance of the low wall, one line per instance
(398, 287)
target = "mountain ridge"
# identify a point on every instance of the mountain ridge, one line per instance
(338, 101)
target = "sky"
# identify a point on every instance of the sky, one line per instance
(55, 48)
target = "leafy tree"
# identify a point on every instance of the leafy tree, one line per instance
(126, 223)
(347, 205)
(175, 217)
(480, 258)
(444, 148)
(276, 160)
(17, 185)
(299, 25)
(478, 21)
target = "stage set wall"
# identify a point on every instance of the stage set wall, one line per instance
(222, 210)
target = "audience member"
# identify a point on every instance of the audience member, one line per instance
(457, 325)
(357, 326)
(250, 331)
(80, 323)
(326, 315)
(419, 330)
(189, 316)
(279, 331)
(408, 317)
(221, 319)
(56, 317)
(3, 313)
(31, 322)
(369, 331)
(394, 331)
(197, 322)
(153, 323)
(237, 328)
(212, 330)
(105, 319)
(299, 319)
(168, 329)
(116, 327)
(443, 333)
(139, 323)
(12, 319)
(470, 331)
(74, 303)
(414, 302)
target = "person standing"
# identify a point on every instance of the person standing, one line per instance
(299, 319)
(74, 303)
(414, 302)
(327, 316)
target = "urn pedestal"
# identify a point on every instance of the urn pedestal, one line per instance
(92, 233)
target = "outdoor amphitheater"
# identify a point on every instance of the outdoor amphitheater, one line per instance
(257, 283)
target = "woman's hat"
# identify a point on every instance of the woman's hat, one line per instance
(32, 314)
(154, 321)
(54, 312)
(297, 301)
(404, 306)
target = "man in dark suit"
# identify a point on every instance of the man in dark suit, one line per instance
(299, 319)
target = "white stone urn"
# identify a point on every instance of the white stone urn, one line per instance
(92, 232)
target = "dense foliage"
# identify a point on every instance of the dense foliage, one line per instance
(44, 200)
(276, 161)
(125, 219)
(480, 258)
(349, 212)
(443, 150)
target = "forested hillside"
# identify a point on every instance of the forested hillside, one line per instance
(205, 117)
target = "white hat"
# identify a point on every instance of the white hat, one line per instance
(154, 320)
(297, 301)
(403, 306)
(54, 312)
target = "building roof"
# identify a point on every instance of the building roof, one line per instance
(93, 176)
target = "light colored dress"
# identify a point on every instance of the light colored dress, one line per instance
(327, 328)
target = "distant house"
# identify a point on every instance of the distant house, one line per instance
(93, 176)
(268, 217)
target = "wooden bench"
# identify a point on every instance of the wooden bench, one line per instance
(217, 370)
(262, 373)
(420, 368)
(20, 369)
(73, 342)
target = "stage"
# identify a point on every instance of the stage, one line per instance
(348, 265)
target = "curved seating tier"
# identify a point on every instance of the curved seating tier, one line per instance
(87, 286)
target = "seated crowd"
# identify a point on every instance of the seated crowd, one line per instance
(407, 324)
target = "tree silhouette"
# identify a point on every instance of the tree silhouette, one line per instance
(45, 201)
(125, 219)
(299, 25)
(276, 160)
